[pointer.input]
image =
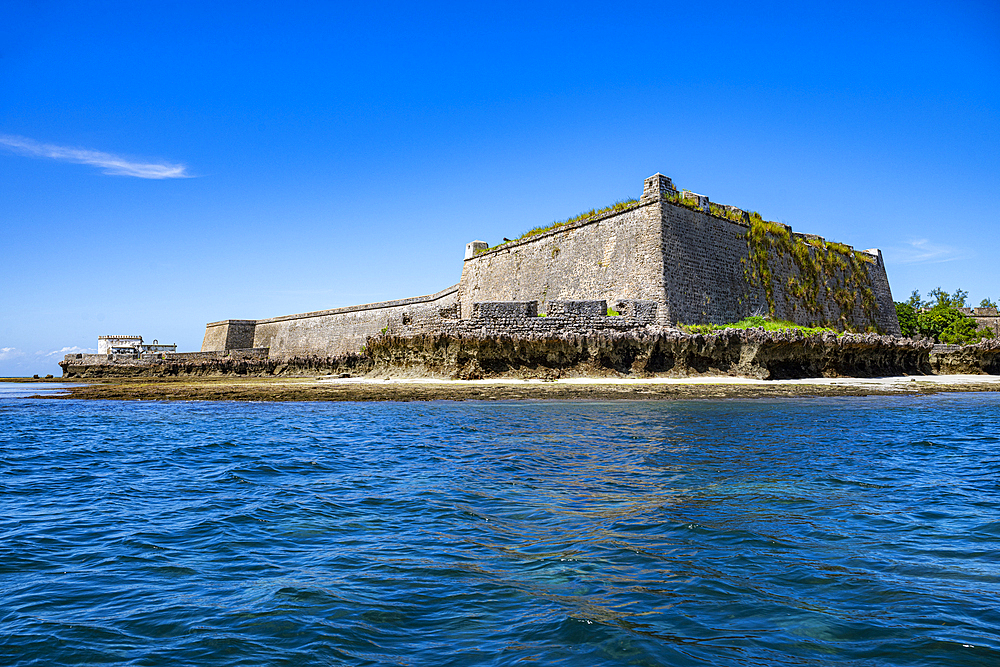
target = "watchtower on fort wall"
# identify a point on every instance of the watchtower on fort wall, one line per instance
(701, 262)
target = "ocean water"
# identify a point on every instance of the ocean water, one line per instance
(850, 531)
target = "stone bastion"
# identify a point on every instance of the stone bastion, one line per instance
(668, 257)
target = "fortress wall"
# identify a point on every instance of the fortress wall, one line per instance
(228, 335)
(344, 330)
(702, 269)
(610, 257)
(986, 318)
(691, 263)
(705, 259)
(236, 353)
(887, 321)
(795, 309)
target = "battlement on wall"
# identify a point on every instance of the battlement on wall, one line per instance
(149, 358)
(583, 310)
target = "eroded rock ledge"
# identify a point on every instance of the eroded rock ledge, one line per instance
(650, 352)
(751, 353)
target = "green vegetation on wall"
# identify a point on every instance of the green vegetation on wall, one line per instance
(727, 213)
(677, 198)
(753, 322)
(620, 205)
(824, 269)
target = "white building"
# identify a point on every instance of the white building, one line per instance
(131, 345)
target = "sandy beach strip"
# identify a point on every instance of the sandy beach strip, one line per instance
(426, 389)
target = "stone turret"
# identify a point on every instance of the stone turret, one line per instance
(472, 248)
(657, 185)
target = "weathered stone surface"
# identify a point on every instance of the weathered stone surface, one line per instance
(692, 263)
(649, 353)
(499, 310)
(609, 257)
(228, 335)
(233, 362)
(332, 332)
(983, 357)
(592, 309)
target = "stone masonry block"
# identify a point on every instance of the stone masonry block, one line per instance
(737, 213)
(643, 311)
(702, 200)
(578, 308)
(504, 309)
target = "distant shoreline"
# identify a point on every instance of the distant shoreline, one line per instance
(369, 389)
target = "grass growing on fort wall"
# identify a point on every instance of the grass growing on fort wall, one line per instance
(620, 205)
(755, 322)
(821, 268)
(821, 271)
(678, 198)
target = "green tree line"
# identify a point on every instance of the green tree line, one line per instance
(939, 317)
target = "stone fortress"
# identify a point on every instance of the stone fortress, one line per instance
(666, 258)
(602, 292)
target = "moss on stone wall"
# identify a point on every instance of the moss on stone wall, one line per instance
(679, 199)
(824, 271)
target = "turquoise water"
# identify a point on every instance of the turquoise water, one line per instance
(860, 531)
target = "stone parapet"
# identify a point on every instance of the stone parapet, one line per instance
(157, 357)
(499, 310)
(578, 309)
(521, 318)
(641, 311)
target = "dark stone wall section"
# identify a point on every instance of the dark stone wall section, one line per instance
(504, 309)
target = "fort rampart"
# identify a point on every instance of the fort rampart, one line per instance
(702, 262)
(334, 332)
(688, 259)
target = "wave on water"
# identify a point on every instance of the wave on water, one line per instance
(856, 531)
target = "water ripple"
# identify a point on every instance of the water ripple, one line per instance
(849, 531)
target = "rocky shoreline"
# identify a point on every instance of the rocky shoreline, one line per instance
(649, 353)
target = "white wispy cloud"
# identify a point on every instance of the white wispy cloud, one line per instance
(66, 350)
(16, 362)
(923, 251)
(111, 164)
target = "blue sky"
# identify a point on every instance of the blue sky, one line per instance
(166, 165)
